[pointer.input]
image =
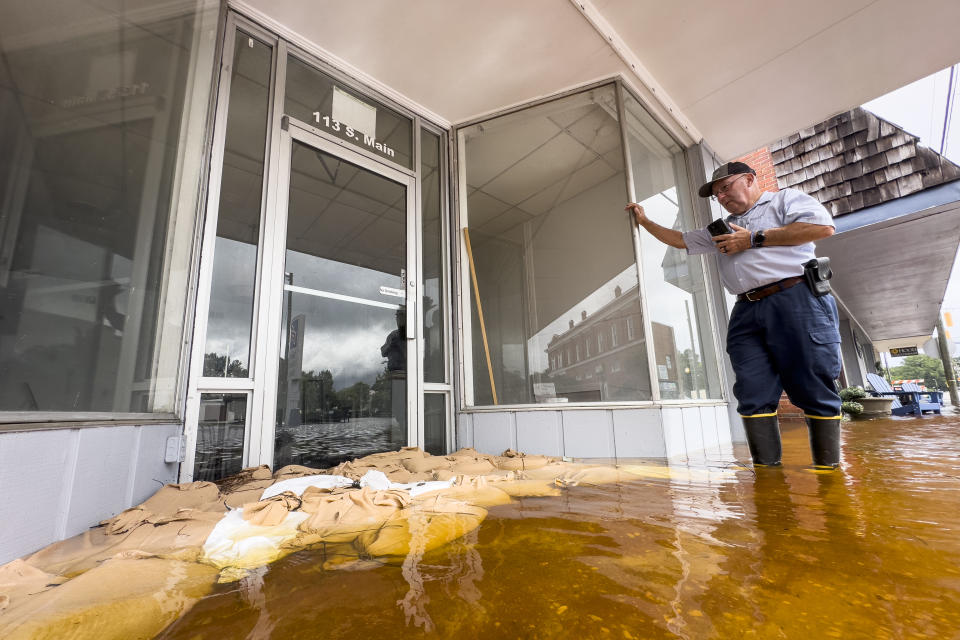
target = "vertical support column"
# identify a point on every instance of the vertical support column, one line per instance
(947, 362)
(637, 252)
(269, 292)
(700, 163)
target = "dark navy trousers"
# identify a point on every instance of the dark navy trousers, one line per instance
(789, 341)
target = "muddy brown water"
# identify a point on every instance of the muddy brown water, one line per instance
(870, 552)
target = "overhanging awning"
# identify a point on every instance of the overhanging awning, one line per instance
(741, 75)
(892, 262)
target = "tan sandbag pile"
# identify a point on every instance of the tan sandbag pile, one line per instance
(341, 516)
(515, 461)
(174, 522)
(295, 471)
(431, 522)
(271, 511)
(356, 469)
(244, 487)
(165, 503)
(122, 598)
(140, 569)
(19, 580)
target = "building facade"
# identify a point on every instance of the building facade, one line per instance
(224, 242)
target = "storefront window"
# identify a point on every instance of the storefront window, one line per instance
(551, 256)
(230, 319)
(433, 259)
(337, 110)
(221, 430)
(684, 353)
(98, 173)
(435, 423)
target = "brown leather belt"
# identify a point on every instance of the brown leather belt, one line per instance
(762, 292)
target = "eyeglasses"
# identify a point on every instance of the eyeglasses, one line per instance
(726, 187)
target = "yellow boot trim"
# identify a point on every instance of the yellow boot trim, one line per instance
(759, 415)
(807, 415)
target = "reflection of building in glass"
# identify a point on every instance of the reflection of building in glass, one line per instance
(665, 348)
(220, 435)
(602, 358)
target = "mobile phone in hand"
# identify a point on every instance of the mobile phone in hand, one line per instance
(719, 227)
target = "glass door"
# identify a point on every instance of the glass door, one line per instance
(345, 386)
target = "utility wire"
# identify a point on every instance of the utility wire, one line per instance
(948, 111)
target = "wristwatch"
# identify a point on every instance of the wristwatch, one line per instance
(759, 238)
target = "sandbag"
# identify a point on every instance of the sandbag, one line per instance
(122, 598)
(342, 517)
(426, 525)
(272, 511)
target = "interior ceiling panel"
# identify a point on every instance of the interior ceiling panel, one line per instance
(560, 156)
(543, 201)
(496, 149)
(586, 178)
(743, 73)
(484, 208)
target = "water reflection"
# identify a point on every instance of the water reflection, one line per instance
(714, 550)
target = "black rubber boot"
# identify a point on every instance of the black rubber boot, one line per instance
(824, 441)
(763, 438)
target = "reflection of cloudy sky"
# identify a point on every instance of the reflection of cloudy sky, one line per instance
(342, 337)
(231, 300)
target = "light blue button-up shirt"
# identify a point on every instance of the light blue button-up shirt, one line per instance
(757, 267)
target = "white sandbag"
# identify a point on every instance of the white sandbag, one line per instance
(378, 481)
(299, 485)
(234, 542)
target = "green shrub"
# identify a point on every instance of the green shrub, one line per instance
(852, 393)
(853, 408)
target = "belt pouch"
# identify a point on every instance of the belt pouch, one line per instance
(817, 274)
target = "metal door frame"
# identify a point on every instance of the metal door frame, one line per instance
(260, 386)
(272, 284)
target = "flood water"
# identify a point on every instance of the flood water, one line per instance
(716, 551)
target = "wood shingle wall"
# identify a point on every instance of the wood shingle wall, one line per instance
(856, 160)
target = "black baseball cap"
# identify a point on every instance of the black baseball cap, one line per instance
(724, 171)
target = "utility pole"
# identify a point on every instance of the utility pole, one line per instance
(947, 362)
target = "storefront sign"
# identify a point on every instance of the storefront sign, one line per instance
(390, 291)
(353, 119)
(106, 95)
(903, 351)
(343, 131)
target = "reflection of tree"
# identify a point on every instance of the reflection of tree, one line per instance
(380, 395)
(355, 399)
(318, 397)
(320, 401)
(215, 366)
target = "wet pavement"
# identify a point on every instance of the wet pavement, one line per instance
(714, 551)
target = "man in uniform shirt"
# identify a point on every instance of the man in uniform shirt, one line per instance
(781, 336)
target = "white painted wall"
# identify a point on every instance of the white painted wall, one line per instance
(56, 483)
(680, 434)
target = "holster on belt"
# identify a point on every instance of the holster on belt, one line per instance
(817, 273)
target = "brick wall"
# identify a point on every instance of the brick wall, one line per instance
(762, 163)
(788, 412)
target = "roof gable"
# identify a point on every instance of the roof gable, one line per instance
(856, 160)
